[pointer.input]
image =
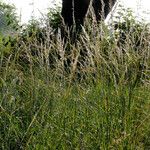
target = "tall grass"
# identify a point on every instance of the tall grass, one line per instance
(101, 101)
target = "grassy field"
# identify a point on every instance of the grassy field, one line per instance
(101, 101)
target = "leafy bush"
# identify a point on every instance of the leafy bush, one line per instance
(9, 20)
(54, 18)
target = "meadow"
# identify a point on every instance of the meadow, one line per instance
(99, 101)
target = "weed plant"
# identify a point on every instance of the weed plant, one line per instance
(100, 100)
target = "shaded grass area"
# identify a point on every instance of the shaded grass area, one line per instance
(38, 112)
(106, 107)
(54, 116)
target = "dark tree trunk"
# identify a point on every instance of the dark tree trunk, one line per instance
(74, 11)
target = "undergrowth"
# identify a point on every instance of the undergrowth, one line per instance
(94, 94)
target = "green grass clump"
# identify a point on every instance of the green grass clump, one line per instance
(101, 101)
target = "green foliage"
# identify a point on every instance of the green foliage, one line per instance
(31, 31)
(9, 25)
(101, 103)
(9, 22)
(40, 111)
(7, 45)
(131, 31)
(54, 18)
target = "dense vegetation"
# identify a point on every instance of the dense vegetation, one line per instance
(99, 101)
